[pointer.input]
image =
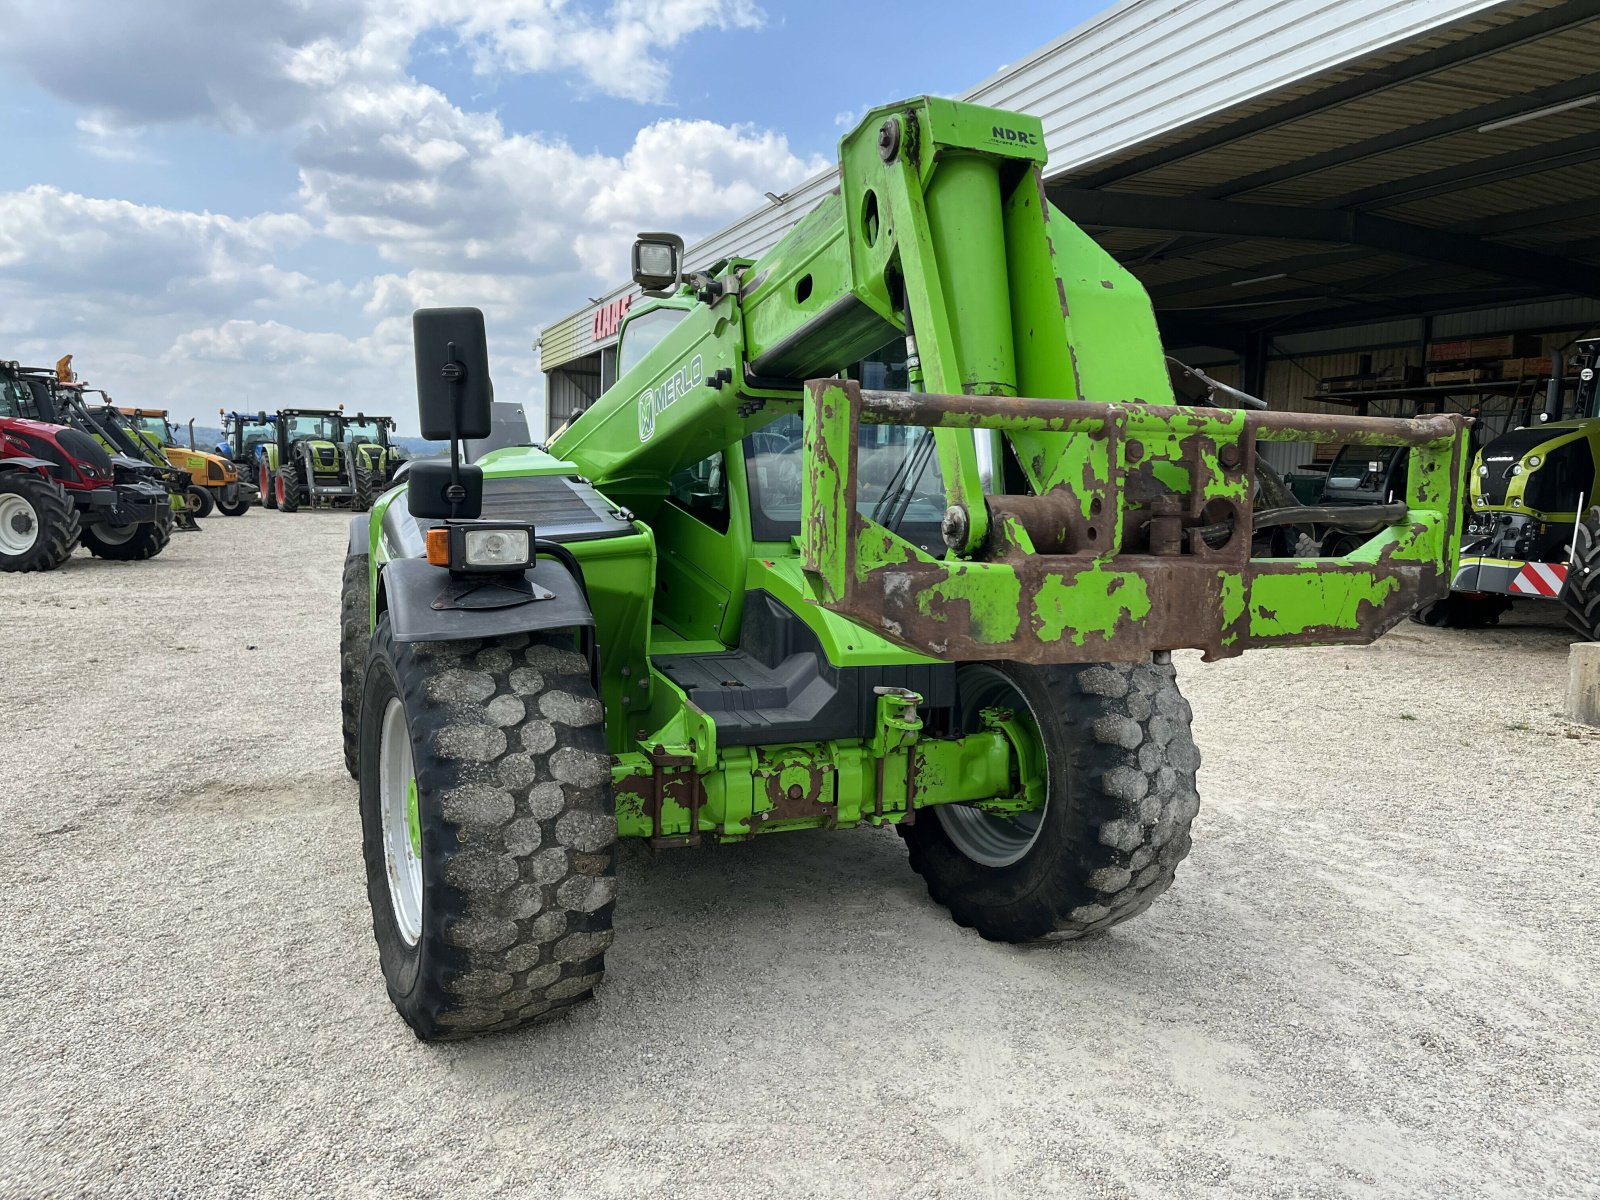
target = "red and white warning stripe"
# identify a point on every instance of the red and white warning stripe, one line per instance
(1540, 579)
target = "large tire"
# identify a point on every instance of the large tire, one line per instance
(201, 503)
(354, 593)
(1464, 610)
(38, 525)
(290, 489)
(1581, 594)
(511, 896)
(236, 508)
(128, 543)
(1119, 769)
(266, 485)
(362, 500)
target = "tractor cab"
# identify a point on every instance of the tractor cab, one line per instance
(368, 440)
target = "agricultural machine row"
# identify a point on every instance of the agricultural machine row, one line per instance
(78, 469)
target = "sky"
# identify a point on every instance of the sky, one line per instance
(215, 203)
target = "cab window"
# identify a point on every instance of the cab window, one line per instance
(701, 490)
(643, 334)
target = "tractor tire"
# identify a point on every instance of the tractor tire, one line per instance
(39, 528)
(267, 486)
(354, 600)
(237, 508)
(1118, 770)
(201, 503)
(1464, 610)
(492, 898)
(128, 543)
(1581, 594)
(362, 500)
(290, 489)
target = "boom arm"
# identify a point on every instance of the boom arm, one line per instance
(941, 233)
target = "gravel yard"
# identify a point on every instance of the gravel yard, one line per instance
(1376, 975)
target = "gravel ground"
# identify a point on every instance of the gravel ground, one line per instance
(1375, 976)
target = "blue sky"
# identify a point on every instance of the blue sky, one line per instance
(211, 201)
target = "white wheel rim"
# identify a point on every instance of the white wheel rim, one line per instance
(19, 525)
(397, 783)
(993, 839)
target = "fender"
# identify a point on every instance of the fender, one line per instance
(360, 536)
(410, 586)
(27, 464)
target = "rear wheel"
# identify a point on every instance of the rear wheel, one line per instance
(267, 486)
(128, 543)
(38, 525)
(290, 491)
(201, 503)
(1106, 751)
(1581, 594)
(354, 593)
(487, 828)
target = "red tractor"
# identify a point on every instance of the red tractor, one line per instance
(59, 485)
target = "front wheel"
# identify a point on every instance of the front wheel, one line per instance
(234, 508)
(38, 525)
(487, 828)
(266, 485)
(1105, 749)
(1581, 594)
(128, 543)
(289, 489)
(1464, 610)
(201, 502)
(362, 500)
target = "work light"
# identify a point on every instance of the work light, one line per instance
(471, 547)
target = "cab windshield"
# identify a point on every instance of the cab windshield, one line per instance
(316, 426)
(364, 431)
(12, 398)
(156, 427)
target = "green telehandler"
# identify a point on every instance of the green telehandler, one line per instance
(895, 525)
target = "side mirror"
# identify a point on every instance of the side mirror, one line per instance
(261, 418)
(454, 394)
(657, 263)
(430, 485)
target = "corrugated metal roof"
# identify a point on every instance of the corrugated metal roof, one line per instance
(1132, 75)
(1369, 106)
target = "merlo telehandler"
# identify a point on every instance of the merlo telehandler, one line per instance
(759, 587)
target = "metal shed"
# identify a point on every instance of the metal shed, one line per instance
(1302, 183)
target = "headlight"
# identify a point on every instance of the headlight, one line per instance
(468, 547)
(1483, 471)
(1533, 461)
(496, 547)
(1517, 470)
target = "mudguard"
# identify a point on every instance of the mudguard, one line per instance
(411, 585)
(28, 464)
(360, 535)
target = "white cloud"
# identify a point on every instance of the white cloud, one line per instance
(466, 212)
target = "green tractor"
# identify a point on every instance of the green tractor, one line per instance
(897, 525)
(1534, 528)
(369, 441)
(308, 464)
